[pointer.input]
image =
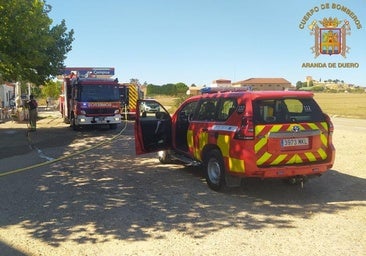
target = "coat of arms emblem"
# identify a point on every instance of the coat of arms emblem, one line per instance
(330, 39)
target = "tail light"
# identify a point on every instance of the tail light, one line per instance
(329, 122)
(246, 130)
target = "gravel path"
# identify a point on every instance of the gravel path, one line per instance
(109, 202)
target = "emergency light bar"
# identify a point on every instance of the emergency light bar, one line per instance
(225, 89)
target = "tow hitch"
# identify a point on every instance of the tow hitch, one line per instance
(297, 180)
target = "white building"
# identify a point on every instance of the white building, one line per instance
(6, 95)
(221, 83)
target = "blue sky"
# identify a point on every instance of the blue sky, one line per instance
(198, 41)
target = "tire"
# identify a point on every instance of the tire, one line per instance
(215, 170)
(73, 125)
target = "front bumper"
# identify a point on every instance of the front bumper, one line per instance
(89, 120)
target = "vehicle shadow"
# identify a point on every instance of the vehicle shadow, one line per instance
(109, 193)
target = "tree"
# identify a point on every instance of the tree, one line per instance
(298, 84)
(181, 88)
(52, 89)
(135, 81)
(30, 49)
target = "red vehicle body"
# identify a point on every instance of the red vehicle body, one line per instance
(235, 135)
(90, 101)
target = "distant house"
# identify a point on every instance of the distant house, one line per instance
(6, 95)
(265, 84)
(221, 83)
(193, 91)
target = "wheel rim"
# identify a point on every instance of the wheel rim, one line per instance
(213, 171)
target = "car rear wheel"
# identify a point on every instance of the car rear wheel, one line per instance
(215, 170)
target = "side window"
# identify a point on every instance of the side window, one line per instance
(227, 107)
(264, 111)
(187, 111)
(207, 110)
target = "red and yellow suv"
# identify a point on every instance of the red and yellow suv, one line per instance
(237, 134)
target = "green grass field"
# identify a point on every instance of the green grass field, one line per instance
(351, 105)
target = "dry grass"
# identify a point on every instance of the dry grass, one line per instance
(335, 104)
(343, 104)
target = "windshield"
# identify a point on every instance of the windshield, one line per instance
(103, 92)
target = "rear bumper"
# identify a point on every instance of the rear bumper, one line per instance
(290, 171)
(87, 120)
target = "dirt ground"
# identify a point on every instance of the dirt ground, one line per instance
(107, 201)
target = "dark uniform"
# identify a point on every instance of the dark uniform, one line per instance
(32, 105)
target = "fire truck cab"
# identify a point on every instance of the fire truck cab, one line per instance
(90, 101)
(236, 135)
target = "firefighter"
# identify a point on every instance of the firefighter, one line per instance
(32, 107)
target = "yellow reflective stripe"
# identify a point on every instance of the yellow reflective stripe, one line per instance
(279, 159)
(322, 153)
(260, 144)
(292, 160)
(202, 140)
(324, 139)
(263, 158)
(313, 126)
(223, 141)
(190, 138)
(236, 165)
(325, 125)
(259, 129)
(132, 95)
(298, 159)
(310, 156)
(197, 153)
(276, 128)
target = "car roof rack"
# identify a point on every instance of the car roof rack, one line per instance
(225, 89)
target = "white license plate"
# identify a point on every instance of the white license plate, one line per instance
(293, 142)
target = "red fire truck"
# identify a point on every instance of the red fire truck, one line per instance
(90, 101)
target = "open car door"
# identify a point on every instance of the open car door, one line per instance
(153, 127)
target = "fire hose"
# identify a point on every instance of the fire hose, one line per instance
(52, 160)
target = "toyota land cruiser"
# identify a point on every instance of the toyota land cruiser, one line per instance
(237, 134)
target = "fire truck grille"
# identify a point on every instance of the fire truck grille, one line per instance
(103, 111)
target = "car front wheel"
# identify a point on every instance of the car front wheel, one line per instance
(215, 170)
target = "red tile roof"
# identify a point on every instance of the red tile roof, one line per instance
(252, 81)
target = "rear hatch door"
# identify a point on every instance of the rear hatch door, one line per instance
(289, 131)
